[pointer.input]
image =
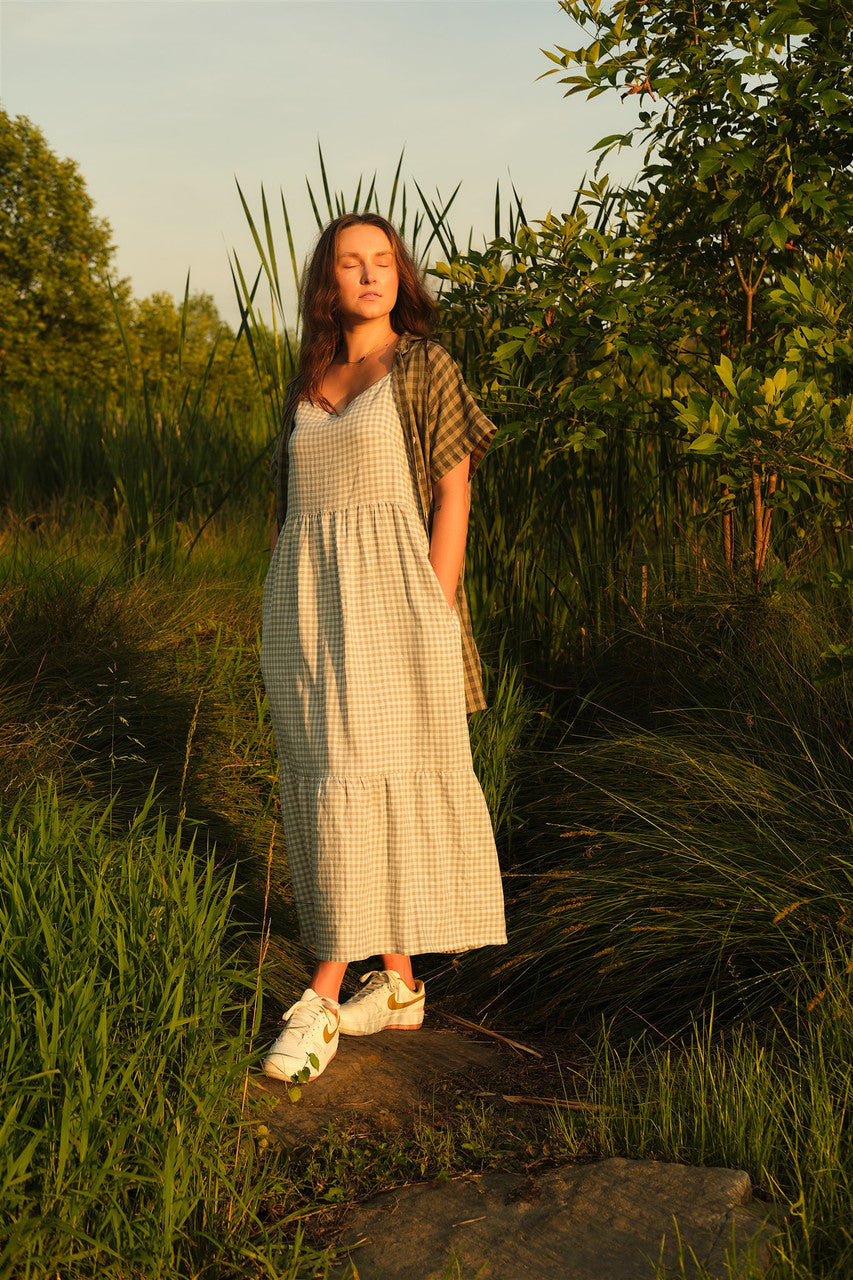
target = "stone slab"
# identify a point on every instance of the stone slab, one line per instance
(615, 1219)
(385, 1075)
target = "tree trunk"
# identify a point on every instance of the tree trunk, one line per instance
(762, 516)
(728, 523)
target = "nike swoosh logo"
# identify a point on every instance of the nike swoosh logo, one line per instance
(394, 1003)
(328, 1035)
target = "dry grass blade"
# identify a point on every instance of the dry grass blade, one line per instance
(495, 1035)
(518, 1099)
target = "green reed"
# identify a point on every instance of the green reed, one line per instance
(125, 1031)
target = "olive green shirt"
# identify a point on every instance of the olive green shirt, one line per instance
(442, 424)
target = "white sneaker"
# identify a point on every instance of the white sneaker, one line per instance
(383, 1001)
(309, 1038)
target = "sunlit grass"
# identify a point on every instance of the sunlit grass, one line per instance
(126, 1023)
(774, 1101)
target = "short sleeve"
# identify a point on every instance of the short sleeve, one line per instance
(460, 429)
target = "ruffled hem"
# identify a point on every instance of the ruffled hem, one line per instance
(399, 947)
(396, 862)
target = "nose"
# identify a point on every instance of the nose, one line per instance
(368, 273)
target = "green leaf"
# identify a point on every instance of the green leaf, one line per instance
(623, 138)
(508, 349)
(756, 224)
(725, 374)
(707, 444)
(591, 250)
(778, 233)
(709, 162)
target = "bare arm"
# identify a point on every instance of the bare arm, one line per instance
(450, 528)
(273, 537)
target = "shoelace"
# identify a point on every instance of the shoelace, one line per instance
(302, 1016)
(371, 982)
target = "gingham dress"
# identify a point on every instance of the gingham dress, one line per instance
(389, 841)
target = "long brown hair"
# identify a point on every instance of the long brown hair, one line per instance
(322, 333)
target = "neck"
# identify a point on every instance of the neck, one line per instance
(365, 338)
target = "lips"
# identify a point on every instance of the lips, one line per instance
(370, 295)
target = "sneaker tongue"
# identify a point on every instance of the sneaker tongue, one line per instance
(310, 994)
(371, 981)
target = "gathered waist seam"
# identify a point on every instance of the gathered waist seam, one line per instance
(378, 774)
(395, 504)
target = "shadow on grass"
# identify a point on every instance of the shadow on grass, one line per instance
(109, 687)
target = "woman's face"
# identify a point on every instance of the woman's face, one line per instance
(365, 273)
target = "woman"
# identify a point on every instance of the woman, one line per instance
(368, 657)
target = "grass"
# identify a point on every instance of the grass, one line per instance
(666, 759)
(775, 1102)
(694, 843)
(125, 1023)
(671, 858)
(114, 683)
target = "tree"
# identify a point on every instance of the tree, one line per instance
(56, 315)
(710, 310)
(744, 208)
(178, 349)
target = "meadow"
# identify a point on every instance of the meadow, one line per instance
(659, 573)
(669, 778)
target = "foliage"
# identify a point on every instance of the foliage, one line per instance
(75, 345)
(773, 1102)
(56, 317)
(159, 459)
(113, 681)
(109, 681)
(714, 287)
(173, 347)
(672, 803)
(687, 843)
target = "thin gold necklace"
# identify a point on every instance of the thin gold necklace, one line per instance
(381, 347)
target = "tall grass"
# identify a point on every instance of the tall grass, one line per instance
(668, 770)
(112, 684)
(774, 1101)
(566, 546)
(156, 460)
(689, 837)
(272, 335)
(124, 1030)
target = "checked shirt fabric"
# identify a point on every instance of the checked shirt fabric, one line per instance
(389, 839)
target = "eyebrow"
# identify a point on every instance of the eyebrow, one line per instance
(382, 253)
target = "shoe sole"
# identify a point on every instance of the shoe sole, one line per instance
(396, 1026)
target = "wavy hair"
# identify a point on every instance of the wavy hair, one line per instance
(322, 332)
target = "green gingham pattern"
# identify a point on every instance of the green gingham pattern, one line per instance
(442, 423)
(389, 839)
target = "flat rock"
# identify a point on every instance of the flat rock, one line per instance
(384, 1076)
(612, 1220)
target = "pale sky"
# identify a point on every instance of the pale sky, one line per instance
(163, 103)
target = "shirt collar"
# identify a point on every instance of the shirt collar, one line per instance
(403, 343)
